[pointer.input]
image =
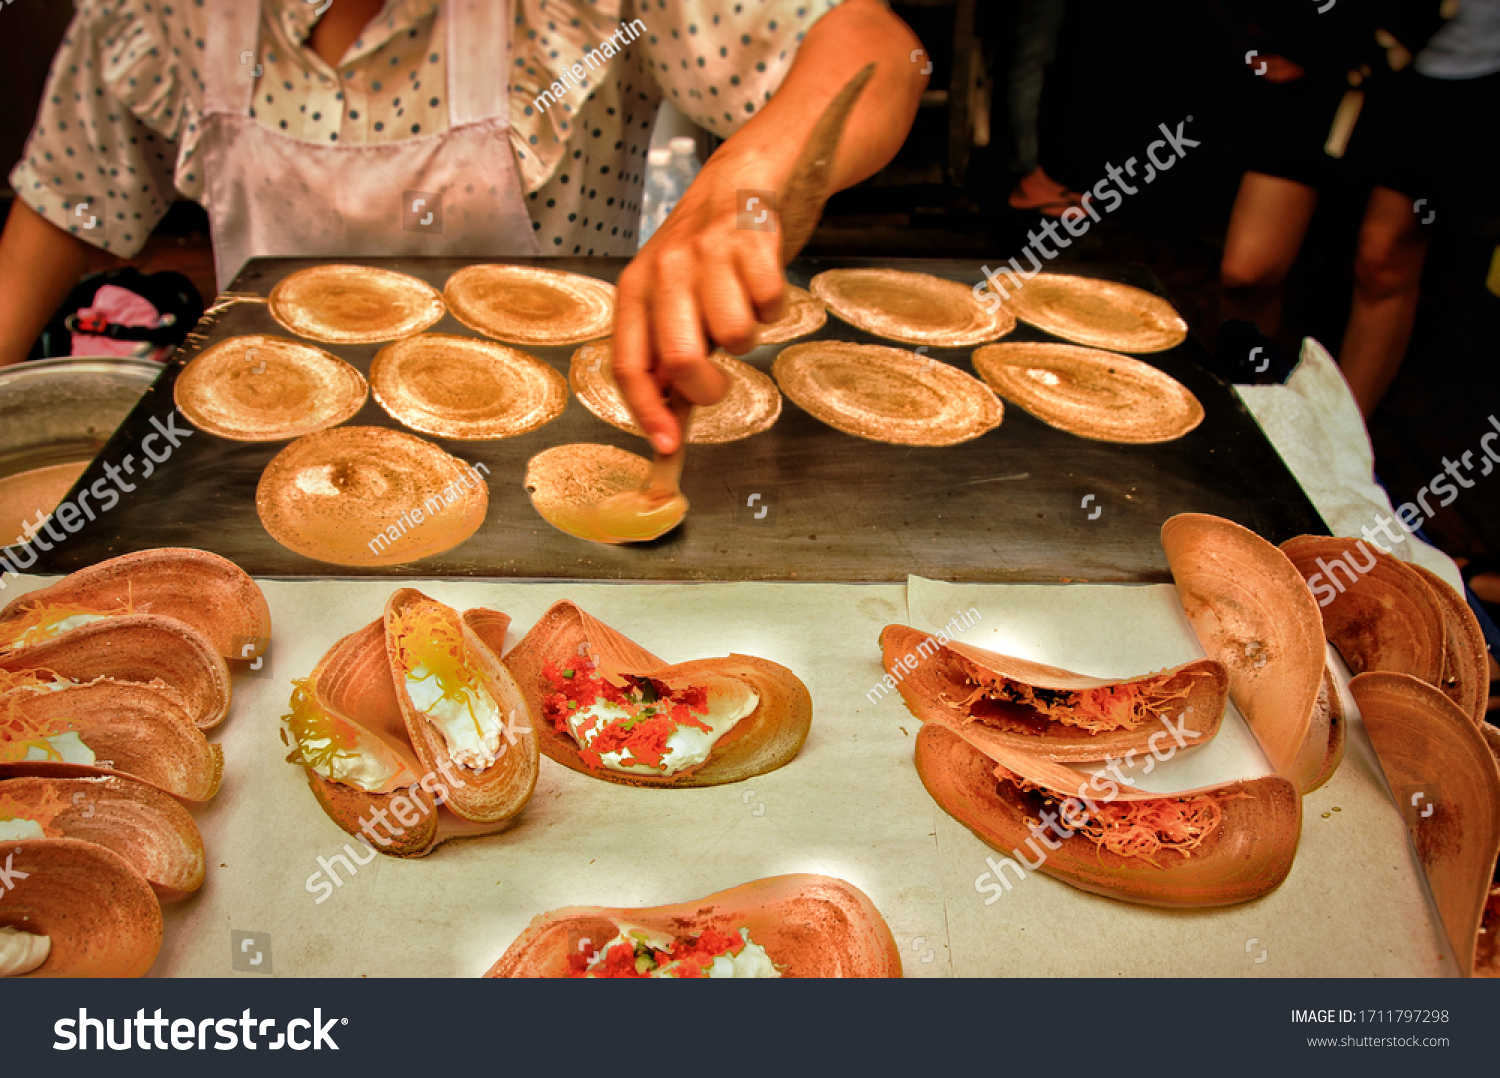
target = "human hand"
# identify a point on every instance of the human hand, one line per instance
(700, 282)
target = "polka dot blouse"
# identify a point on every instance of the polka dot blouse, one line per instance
(121, 116)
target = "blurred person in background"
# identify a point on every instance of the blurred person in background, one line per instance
(1434, 167)
(1038, 23)
(305, 129)
(1309, 69)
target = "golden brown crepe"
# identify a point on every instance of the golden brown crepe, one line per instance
(150, 830)
(465, 389)
(810, 926)
(1240, 844)
(1050, 712)
(263, 389)
(1251, 611)
(354, 304)
(886, 394)
(369, 496)
(751, 404)
(913, 308)
(568, 638)
(1096, 313)
(531, 305)
(208, 592)
(136, 648)
(1093, 394)
(1434, 756)
(101, 915)
(357, 701)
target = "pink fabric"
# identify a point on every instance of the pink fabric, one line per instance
(121, 307)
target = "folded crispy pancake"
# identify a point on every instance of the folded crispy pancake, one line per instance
(1046, 710)
(1211, 846)
(210, 593)
(764, 740)
(810, 926)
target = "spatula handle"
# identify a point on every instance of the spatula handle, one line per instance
(666, 470)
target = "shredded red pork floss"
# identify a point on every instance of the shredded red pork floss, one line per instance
(654, 710)
(1135, 828)
(1000, 702)
(636, 958)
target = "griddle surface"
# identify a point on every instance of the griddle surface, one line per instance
(800, 502)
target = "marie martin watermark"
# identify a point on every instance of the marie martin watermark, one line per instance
(574, 77)
(905, 664)
(412, 518)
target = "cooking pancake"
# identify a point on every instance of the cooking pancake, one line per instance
(913, 308)
(1097, 313)
(1100, 395)
(530, 305)
(750, 406)
(886, 394)
(261, 389)
(805, 314)
(354, 304)
(567, 481)
(459, 387)
(369, 496)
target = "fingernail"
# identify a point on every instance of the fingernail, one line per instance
(662, 443)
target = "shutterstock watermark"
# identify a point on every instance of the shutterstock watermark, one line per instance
(408, 809)
(1327, 584)
(1079, 221)
(1073, 814)
(72, 513)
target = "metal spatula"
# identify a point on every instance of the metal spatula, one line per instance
(801, 200)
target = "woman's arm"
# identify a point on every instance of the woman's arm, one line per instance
(39, 265)
(701, 281)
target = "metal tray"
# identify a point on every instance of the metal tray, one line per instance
(1023, 503)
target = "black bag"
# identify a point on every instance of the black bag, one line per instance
(172, 294)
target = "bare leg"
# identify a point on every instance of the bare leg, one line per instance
(1266, 229)
(1387, 284)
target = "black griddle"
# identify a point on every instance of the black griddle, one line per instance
(1022, 504)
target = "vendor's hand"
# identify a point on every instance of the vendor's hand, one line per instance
(699, 283)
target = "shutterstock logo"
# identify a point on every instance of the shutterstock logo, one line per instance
(187, 1035)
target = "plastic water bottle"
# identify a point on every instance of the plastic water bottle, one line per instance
(657, 198)
(684, 162)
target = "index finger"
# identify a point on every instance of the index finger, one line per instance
(632, 367)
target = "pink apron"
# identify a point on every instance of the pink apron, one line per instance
(455, 193)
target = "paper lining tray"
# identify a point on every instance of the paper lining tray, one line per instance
(1023, 503)
(850, 805)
